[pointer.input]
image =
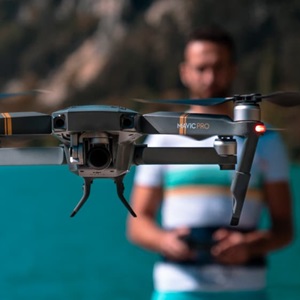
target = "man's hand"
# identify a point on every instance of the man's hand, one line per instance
(172, 247)
(231, 247)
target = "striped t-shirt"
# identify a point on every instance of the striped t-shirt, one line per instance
(199, 196)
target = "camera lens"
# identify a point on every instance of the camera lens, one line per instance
(99, 158)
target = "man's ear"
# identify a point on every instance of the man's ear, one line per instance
(182, 73)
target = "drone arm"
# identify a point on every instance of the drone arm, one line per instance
(241, 179)
(169, 155)
(32, 156)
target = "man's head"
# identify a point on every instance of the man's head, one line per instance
(209, 65)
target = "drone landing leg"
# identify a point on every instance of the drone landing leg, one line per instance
(120, 190)
(240, 182)
(86, 192)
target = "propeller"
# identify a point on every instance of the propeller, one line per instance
(286, 99)
(25, 93)
(202, 102)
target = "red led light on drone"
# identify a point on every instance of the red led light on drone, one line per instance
(260, 128)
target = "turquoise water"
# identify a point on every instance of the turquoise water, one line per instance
(45, 254)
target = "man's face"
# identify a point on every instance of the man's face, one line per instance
(208, 70)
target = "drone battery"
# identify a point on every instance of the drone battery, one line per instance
(25, 123)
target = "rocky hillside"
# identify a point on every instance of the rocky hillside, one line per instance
(110, 51)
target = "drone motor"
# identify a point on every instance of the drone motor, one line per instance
(247, 111)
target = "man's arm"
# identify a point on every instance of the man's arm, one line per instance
(144, 230)
(279, 202)
(236, 248)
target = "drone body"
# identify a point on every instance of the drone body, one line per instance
(99, 139)
(101, 142)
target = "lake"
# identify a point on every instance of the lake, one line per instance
(45, 254)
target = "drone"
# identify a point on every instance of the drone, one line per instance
(100, 141)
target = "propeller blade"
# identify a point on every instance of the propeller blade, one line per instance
(26, 93)
(276, 129)
(201, 102)
(286, 99)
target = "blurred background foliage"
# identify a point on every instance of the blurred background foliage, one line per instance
(111, 51)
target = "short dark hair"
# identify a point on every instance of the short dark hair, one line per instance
(214, 34)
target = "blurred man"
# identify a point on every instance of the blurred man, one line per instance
(223, 262)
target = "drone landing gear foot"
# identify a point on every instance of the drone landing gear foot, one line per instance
(120, 190)
(86, 193)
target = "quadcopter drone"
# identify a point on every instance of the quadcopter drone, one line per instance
(100, 141)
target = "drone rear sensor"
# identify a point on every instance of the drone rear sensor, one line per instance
(59, 122)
